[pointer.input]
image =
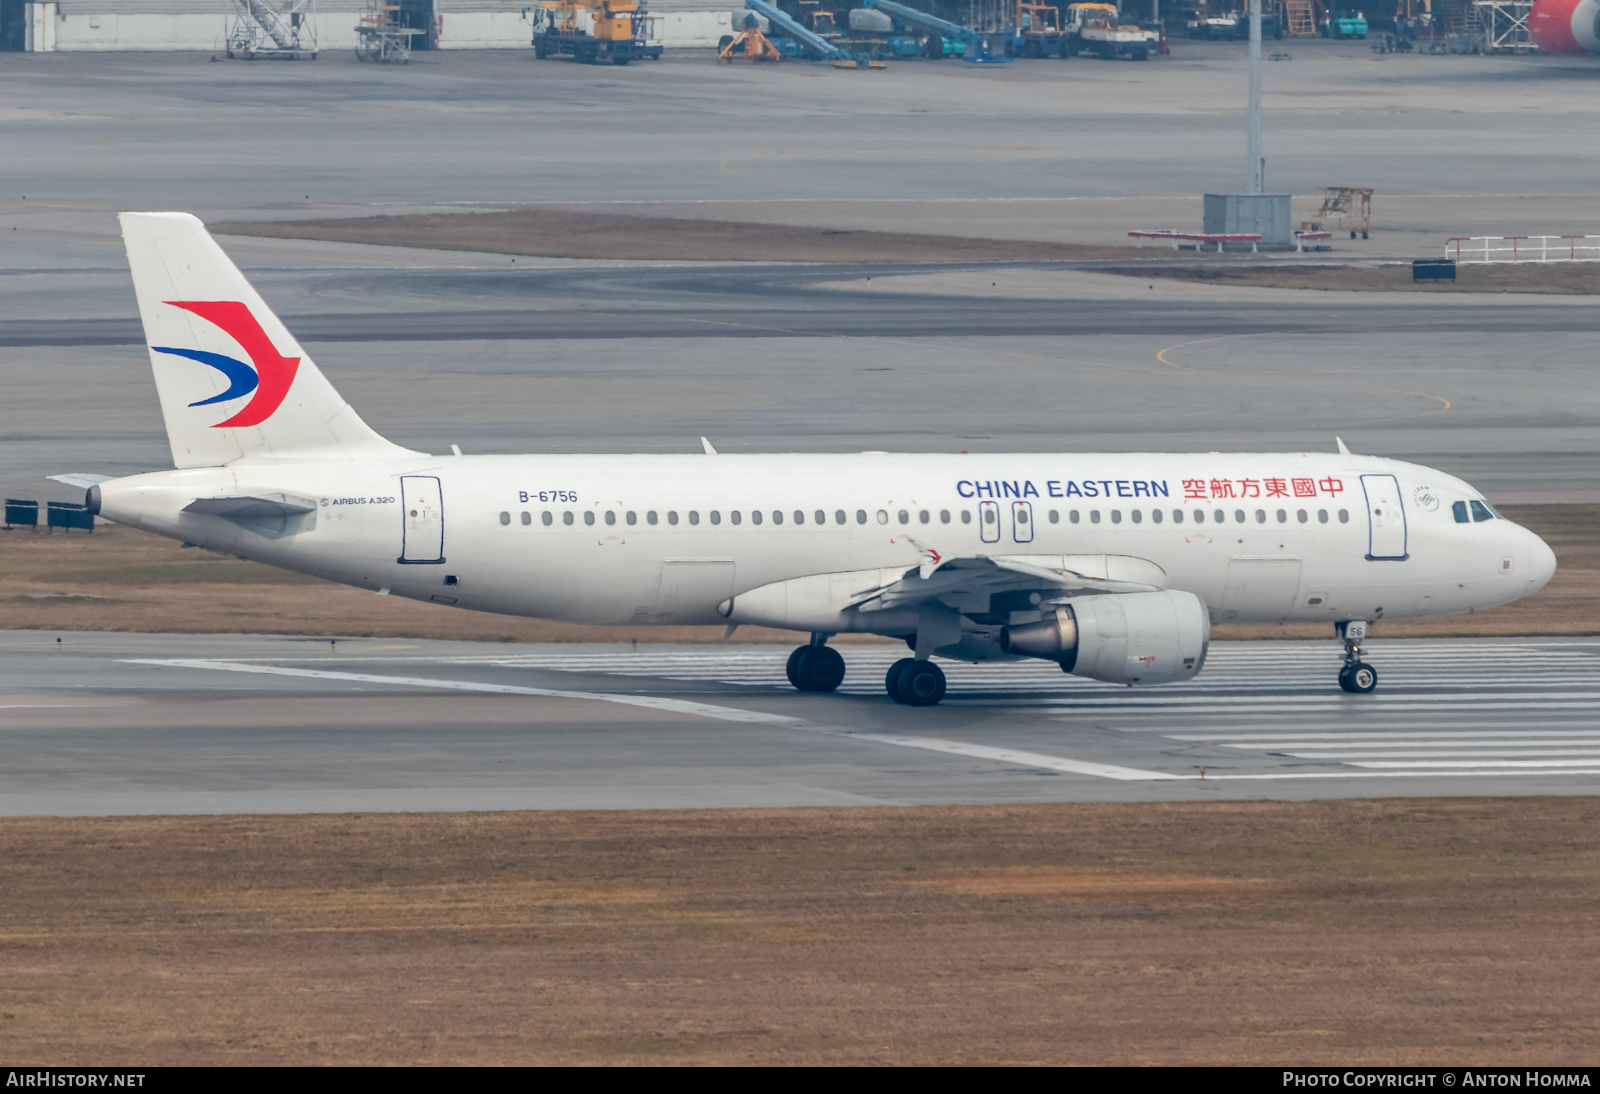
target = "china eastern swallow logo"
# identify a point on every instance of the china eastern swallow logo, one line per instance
(269, 374)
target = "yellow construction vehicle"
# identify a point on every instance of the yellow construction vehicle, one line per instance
(619, 31)
(749, 44)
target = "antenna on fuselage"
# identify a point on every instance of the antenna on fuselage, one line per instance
(1343, 451)
(709, 450)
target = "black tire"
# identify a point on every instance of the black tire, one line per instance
(921, 684)
(1141, 55)
(791, 670)
(724, 42)
(541, 50)
(935, 48)
(891, 679)
(620, 60)
(1062, 51)
(823, 669)
(1107, 51)
(1359, 678)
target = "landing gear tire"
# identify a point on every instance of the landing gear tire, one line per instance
(815, 668)
(915, 683)
(1358, 678)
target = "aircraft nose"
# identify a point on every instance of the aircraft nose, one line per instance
(1542, 562)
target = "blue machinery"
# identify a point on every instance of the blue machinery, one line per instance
(976, 47)
(813, 43)
(981, 48)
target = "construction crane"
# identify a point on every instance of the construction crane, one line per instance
(619, 31)
(978, 48)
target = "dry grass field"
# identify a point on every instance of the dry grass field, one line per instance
(563, 233)
(560, 233)
(121, 579)
(1567, 279)
(1357, 932)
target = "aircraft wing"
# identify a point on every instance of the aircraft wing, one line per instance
(1054, 577)
(80, 479)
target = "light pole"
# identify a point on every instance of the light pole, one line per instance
(1253, 167)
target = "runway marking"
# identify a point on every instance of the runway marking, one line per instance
(705, 710)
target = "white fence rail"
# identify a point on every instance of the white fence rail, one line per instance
(1489, 250)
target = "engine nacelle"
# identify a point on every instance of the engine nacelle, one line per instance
(1130, 638)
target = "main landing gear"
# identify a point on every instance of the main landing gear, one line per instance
(915, 683)
(816, 667)
(1356, 676)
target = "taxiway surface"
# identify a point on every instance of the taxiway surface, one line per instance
(128, 724)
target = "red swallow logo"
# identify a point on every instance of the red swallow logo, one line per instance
(275, 372)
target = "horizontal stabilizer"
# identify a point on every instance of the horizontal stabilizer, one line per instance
(271, 515)
(242, 508)
(79, 479)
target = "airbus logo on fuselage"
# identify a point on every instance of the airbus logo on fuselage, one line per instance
(269, 375)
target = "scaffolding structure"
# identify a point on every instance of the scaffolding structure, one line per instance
(379, 36)
(1503, 25)
(285, 30)
(1350, 207)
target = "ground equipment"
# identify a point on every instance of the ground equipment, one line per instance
(619, 31)
(1094, 28)
(976, 46)
(1347, 24)
(258, 29)
(1039, 32)
(749, 44)
(813, 43)
(1214, 19)
(380, 37)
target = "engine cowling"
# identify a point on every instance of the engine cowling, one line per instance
(1129, 638)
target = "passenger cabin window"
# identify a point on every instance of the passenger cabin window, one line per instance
(1177, 516)
(611, 518)
(1322, 516)
(735, 516)
(1344, 516)
(716, 517)
(1138, 515)
(799, 517)
(839, 516)
(1055, 516)
(905, 517)
(650, 517)
(924, 516)
(1199, 516)
(1480, 512)
(1283, 516)
(1155, 515)
(505, 518)
(1220, 517)
(861, 516)
(1094, 516)
(633, 518)
(1301, 515)
(1073, 516)
(883, 516)
(672, 516)
(1261, 516)
(944, 516)
(566, 517)
(966, 516)
(777, 516)
(694, 516)
(547, 517)
(588, 516)
(1116, 516)
(988, 516)
(1238, 516)
(821, 518)
(755, 516)
(527, 517)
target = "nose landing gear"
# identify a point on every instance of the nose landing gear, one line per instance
(1356, 677)
(816, 667)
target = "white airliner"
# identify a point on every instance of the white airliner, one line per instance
(1114, 566)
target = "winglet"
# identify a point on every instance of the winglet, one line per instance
(1343, 451)
(709, 450)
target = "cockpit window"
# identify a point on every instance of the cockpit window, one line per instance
(1459, 508)
(1481, 512)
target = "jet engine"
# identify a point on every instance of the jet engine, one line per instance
(1565, 26)
(1127, 638)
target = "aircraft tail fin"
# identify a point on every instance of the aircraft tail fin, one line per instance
(233, 381)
